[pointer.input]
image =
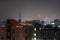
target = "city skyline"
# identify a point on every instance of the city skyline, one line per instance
(30, 9)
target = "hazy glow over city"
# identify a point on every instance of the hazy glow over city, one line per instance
(30, 10)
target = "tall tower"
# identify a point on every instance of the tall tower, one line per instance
(19, 16)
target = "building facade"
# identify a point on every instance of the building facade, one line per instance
(28, 31)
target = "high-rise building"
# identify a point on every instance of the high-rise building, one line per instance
(2, 33)
(28, 31)
(12, 31)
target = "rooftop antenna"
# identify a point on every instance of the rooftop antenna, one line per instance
(19, 16)
(39, 17)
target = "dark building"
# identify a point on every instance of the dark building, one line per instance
(9, 28)
(47, 32)
(50, 33)
(29, 31)
(25, 31)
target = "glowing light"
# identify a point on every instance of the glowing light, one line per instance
(40, 28)
(34, 34)
(59, 26)
(26, 24)
(53, 23)
(19, 26)
(34, 29)
(34, 38)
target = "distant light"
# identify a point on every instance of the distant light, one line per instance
(26, 24)
(34, 34)
(53, 23)
(34, 29)
(59, 26)
(40, 28)
(19, 26)
(34, 38)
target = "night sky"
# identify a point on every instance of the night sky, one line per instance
(33, 9)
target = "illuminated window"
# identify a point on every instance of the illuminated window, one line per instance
(53, 23)
(34, 34)
(59, 26)
(34, 38)
(40, 28)
(34, 29)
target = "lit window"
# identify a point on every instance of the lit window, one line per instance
(53, 23)
(40, 28)
(34, 38)
(34, 34)
(59, 26)
(34, 29)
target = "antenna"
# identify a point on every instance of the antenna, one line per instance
(19, 16)
(38, 17)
